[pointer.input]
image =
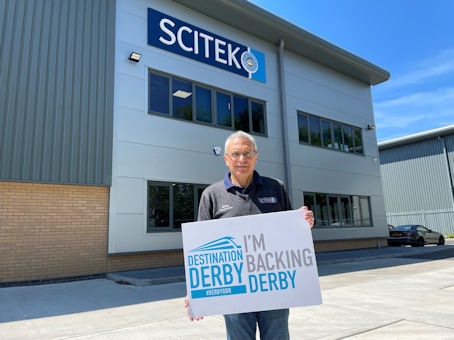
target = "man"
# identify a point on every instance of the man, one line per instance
(241, 193)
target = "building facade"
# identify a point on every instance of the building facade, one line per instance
(417, 177)
(103, 157)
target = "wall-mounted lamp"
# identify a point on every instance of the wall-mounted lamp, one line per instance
(135, 57)
(371, 127)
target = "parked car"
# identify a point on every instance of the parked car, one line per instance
(391, 228)
(414, 235)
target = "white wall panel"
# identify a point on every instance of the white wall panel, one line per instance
(324, 158)
(131, 197)
(130, 235)
(310, 179)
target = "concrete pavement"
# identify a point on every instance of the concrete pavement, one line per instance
(401, 297)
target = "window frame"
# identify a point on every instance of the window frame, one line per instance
(170, 228)
(213, 91)
(332, 122)
(338, 197)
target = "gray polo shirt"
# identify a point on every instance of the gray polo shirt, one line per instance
(224, 199)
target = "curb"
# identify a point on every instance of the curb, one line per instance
(378, 257)
(144, 282)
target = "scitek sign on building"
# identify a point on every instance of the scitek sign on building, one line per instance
(250, 263)
(174, 35)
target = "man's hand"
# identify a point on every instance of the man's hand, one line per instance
(308, 216)
(186, 305)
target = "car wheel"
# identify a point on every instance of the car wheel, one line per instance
(420, 242)
(441, 241)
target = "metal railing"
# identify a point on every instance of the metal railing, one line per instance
(441, 220)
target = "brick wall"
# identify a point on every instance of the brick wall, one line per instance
(321, 246)
(53, 231)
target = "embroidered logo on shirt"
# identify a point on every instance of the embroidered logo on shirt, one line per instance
(265, 200)
(225, 207)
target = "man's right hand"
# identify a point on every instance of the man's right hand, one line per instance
(186, 305)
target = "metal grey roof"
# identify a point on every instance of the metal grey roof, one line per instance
(250, 18)
(443, 131)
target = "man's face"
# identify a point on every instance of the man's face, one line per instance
(242, 166)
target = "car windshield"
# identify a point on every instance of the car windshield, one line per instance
(405, 227)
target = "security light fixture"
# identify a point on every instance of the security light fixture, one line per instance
(371, 127)
(135, 57)
(182, 94)
(217, 150)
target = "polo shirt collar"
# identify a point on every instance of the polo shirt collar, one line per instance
(257, 179)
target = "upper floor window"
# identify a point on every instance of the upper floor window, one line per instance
(318, 131)
(182, 99)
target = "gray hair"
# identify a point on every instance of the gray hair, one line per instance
(236, 135)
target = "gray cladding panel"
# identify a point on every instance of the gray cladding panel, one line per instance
(449, 140)
(56, 97)
(415, 177)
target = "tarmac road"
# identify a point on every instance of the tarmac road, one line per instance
(407, 297)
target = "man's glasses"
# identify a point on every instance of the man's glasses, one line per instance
(247, 154)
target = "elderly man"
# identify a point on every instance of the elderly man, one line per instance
(241, 193)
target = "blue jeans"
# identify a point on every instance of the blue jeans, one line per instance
(273, 325)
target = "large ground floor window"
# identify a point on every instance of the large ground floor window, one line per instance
(171, 204)
(339, 210)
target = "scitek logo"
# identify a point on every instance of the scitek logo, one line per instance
(215, 268)
(180, 37)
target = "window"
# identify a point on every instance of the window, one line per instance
(338, 143)
(356, 210)
(303, 128)
(159, 94)
(348, 138)
(309, 201)
(326, 134)
(345, 210)
(258, 117)
(158, 206)
(338, 210)
(314, 130)
(182, 99)
(321, 209)
(203, 105)
(186, 100)
(317, 131)
(357, 140)
(334, 217)
(224, 107)
(171, 204)
(365, 210)
(241, 113)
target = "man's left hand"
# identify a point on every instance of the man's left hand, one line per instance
(308, 216)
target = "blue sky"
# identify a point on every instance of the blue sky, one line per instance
(412, 39)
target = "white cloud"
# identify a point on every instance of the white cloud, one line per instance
(439, 65)
(442, 96)
(428, 108)
(419, 100)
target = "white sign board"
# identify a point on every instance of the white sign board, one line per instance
(250, 263)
